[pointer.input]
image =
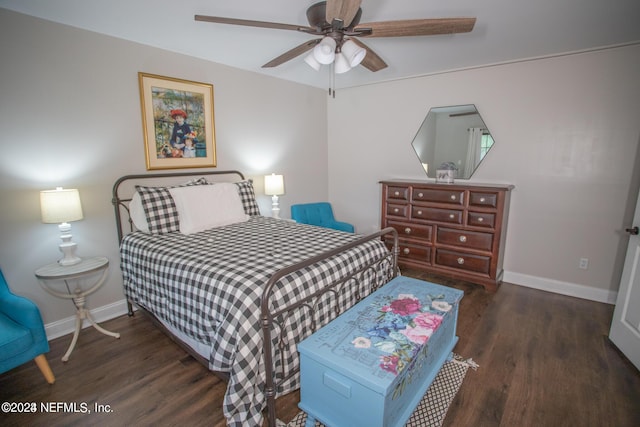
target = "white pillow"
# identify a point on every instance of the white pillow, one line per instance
(201, 207)
(136, 208)
(136, 213)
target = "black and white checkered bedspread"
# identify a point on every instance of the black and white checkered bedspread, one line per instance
(209, 286)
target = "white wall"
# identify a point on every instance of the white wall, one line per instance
(567, 131)
(70, 115)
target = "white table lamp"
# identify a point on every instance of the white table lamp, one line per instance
(274, 187)
(61, 206)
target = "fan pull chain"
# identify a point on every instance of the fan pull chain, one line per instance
(332, 80)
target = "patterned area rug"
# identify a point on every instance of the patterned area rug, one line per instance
(434, 405)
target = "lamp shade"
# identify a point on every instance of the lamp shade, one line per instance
(325, 51)
(273, 185)
(313, 63)
(353, 53)
(341, 64)
(60, 205)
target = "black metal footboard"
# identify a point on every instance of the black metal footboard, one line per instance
(366, 279)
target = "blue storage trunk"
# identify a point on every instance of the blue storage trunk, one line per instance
(372, 365)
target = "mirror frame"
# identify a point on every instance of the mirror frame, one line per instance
(443, 141)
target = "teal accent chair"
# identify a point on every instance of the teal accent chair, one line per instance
(320, 214)
(22, 335)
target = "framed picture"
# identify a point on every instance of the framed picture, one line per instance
(178, 124)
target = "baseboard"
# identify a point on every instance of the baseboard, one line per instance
(67, 326)
(559, 287)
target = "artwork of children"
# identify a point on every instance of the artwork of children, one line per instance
(178, 117)
(180, 128)
(189, 149)
(178, 122)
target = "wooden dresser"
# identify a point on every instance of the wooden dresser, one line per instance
(453, 230)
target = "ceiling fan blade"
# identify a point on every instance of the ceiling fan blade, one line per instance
(344, 10)
(290, 54)
(418, 27)
(249, 23)
(371, 61)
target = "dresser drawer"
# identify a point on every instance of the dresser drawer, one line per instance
(486, 199)
(395, 210)
(414, 252)
(463, 261)
(481, 219)
(412, 230)
(434, 214)
(465, 239)
(398, 193)
(454, 197)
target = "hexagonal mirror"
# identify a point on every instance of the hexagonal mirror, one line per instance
(453, 138)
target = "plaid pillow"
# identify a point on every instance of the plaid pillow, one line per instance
(248, 197)
(197, 181)
(160, 209)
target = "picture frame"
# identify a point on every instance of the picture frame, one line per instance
(178, 122)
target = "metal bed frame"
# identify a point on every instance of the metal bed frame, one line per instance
(122, 192)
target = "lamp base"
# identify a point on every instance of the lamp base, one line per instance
(68, 248)
(275, 208)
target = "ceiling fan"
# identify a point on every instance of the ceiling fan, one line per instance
(337, 22)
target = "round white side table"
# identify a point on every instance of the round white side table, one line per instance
(88, 266)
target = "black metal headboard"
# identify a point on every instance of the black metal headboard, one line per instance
(124, 188)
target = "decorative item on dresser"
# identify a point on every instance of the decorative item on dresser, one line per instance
(456, 230)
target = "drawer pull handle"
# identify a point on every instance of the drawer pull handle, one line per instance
(407, 230)
(419, 212)
(397, 193)
(451, 216)
(482, 199)
(460, 260)
(453, 197)
(406, 251)
(420, 195)
(396, 210)
(463, 239)
(480, 219)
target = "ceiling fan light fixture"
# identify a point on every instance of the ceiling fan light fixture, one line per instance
(337, 22)
(325, 51)
(341, 64)
(353, 53)
(313, 63)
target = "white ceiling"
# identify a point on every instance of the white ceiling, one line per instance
(506, 30)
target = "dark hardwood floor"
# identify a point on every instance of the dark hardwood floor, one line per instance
(545, 360)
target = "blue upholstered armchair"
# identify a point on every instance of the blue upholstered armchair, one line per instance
(22, 336)
(320, 214)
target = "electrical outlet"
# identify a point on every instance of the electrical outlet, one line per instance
(584, 263)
